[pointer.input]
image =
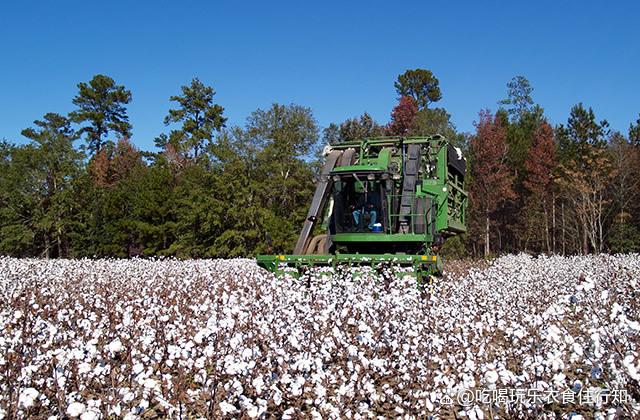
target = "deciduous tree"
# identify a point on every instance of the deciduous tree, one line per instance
(403, 117)
(538, 182)
(352, 129)
(492, 182)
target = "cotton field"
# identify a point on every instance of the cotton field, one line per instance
(519, 337)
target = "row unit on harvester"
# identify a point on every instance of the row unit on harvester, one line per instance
(382, 200)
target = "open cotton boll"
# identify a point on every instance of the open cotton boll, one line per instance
(75, 409)
(115, 346)
(27, 397)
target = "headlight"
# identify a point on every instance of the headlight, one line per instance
(371, 177)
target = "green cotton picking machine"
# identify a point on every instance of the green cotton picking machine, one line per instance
(382, 201)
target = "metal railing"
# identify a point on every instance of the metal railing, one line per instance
(397, 223)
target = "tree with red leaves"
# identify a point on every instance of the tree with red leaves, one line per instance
(110, 165)
(492, 182)
(539, 167)
(403, 117)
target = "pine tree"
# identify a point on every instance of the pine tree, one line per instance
(102, 104)
(421, 85)
(200, 118)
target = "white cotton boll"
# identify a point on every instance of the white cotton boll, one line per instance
(469, 365)
(520, 333)
(247, 354)
(631, 369)
(615, 310)
(475, 413)
(252, 410)
(199, 363)
(128, 397)
(294, 341)
(554, 333)
(84, 368)
(429, 405)
(336, 332)
(577, 349)
(557, 364)
(115, 346)
(75, 409)
(235, 342)
(233, 368)
(137, 368)
(277, 397)
(258, 384)
(320, 391)
(90, 415)
(94, 403)
(27, 397)
(288, 413)
(198, 338)
(150, 383)
(634, 325)
(296, 387)
(559, 380)
(491, 377)
(227, 408)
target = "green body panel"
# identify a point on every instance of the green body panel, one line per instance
(359, 168)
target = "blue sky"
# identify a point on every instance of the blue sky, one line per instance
(339, 58)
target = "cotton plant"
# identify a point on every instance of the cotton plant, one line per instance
(133, 338)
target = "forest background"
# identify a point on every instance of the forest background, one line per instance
(80, 187)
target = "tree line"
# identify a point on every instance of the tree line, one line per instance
(80, 188)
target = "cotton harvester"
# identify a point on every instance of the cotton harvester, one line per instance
(389, 200)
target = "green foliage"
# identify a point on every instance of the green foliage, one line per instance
(433, 121)
(582, 132)
(634, 132)
(421, 85)
(454, 248)
(352, 129)
(624, 237)
(36, 190)
(101, 104)
(214, 191)
(199, 117)
(519, 135)
(518, 101)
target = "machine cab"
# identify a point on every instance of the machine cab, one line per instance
(359, 203)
